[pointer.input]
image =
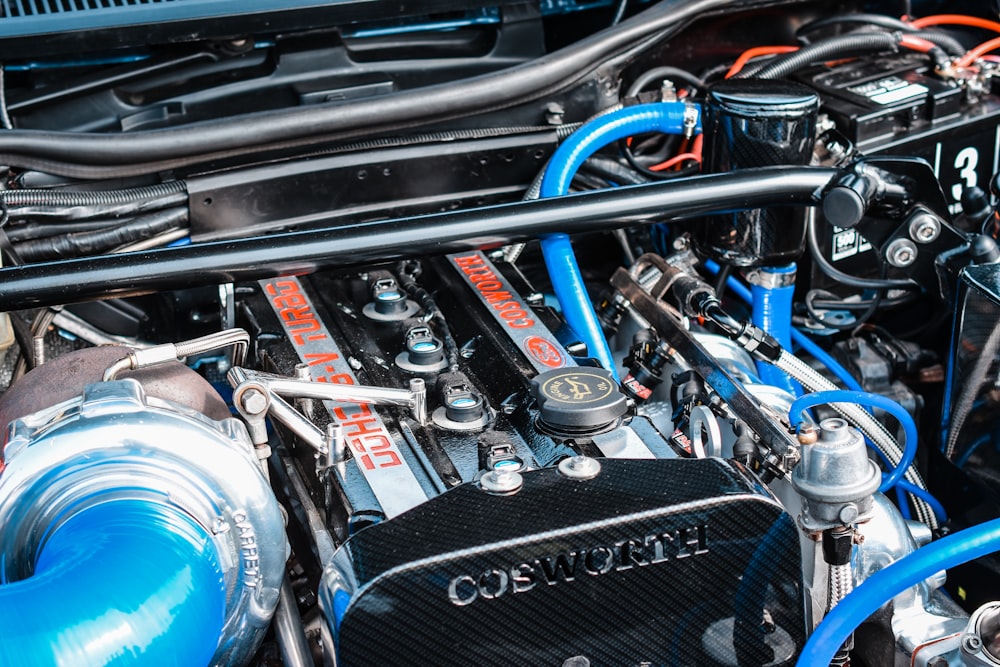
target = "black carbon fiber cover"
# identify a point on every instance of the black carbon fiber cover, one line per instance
(652, 562)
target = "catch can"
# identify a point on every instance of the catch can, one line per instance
(751, 123)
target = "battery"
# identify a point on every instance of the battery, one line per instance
(895, 106)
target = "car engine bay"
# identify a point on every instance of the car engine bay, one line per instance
(501, 333)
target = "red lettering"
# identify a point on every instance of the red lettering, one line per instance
(336, 378)
(289, 300)
(362, 426)
(314, 359)
(393, 457)
(468, 260)
(340, 412)
(494, 296)
(282, 287)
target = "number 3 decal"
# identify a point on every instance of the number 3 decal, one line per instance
(966, 162)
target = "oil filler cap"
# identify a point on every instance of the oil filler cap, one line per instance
(578, 400)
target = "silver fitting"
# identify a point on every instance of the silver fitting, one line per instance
(978, 643)
(835, 477)
(580, 467)
(690, 119)
(901, 253)
(239, 339)
(501, 481)
(771, 279)
(924, 227)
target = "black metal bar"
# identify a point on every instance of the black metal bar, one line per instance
(732, 391)
(297, 253)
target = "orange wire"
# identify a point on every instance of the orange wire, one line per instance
(694, 154)
(756, 51)
(915, 43)
(956, 19)
(981, 50)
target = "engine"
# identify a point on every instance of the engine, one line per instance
(530, 333)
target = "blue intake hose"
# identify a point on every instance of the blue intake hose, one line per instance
(123, 582)
(771, 310)
(824, 358)
(951, 551)
(799, 338)
(560, 260)
(870, 400)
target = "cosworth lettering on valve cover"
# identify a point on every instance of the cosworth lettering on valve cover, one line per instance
(425, 333)
(566, 566)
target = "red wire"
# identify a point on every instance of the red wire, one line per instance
(956, 19)
(756, 51)
(974, 54)
(909, 41)
(694, 154)
(915, 43)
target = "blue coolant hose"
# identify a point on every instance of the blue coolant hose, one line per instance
(157, 567)
(951, 551)
(771, 298)
(799, 338)
(567, 282)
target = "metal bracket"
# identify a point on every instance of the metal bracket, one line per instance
(729, 389)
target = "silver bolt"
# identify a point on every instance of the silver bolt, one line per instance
(848, 513)
(419, 391)
(580, 467)
(971, 643)
(808, 434)
(901, 253)
(254, 401)
(554, 113)
(501, 482)
(924, 228)
(302, 371)
(335, 443)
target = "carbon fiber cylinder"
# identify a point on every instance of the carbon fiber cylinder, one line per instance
(755, 123)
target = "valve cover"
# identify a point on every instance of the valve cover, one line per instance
(666, 556)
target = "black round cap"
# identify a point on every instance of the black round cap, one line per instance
(844, 207)
(578, 399)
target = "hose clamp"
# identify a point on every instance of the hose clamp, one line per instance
(772, 277)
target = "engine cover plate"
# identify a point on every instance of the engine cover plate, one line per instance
(633, 566)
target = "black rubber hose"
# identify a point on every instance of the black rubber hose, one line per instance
(661, 73)
(46, 197)
(944, 40)
(689, 169)
(829, 49)
(153, 150)
(41, 230)
(98, 241)
(613, 171)
(297, 253)
(870, 308)
(880, 20)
